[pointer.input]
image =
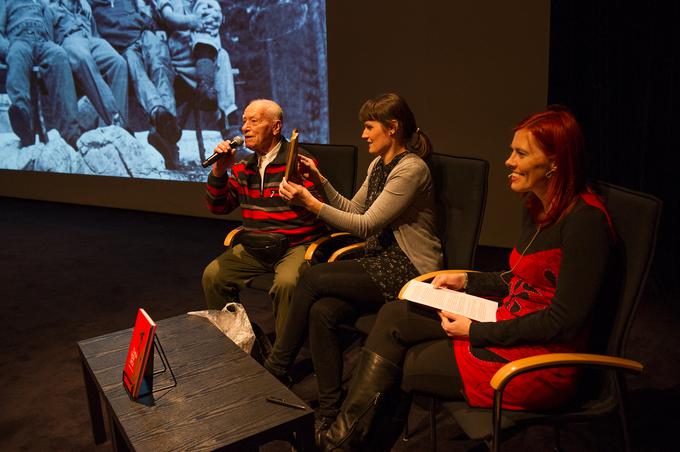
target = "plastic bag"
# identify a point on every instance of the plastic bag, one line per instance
(233, 321)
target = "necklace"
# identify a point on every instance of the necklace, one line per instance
(538, 229)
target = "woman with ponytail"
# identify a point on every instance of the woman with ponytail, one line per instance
(394, 210)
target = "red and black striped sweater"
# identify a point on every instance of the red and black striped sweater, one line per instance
(261, 206)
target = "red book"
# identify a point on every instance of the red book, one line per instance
(139, 353)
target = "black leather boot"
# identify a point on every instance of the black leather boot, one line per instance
(374, 379)
(21, 125)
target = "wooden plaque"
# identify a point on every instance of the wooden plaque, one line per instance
(291, 163)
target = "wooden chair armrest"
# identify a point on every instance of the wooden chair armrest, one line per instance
(429, 276)
(514, 368)
(232, 234)
(346, 250)
(314, 246)
(505, 374)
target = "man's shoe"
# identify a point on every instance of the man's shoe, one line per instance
(166, 125)
(169, 151)
(262, 343)
(21, 125)
(73, 142)
(284, 378)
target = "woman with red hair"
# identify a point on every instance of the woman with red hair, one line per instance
(545, 300)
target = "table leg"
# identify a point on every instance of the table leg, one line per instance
(305, 439)
(95, 406)
(117, 440)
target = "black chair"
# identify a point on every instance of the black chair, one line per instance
(636, 218)
(338, 163)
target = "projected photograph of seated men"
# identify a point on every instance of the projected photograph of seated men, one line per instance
(147, 88)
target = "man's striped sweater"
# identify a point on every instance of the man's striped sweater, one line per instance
(261, 206)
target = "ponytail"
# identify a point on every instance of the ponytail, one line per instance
(420, 144)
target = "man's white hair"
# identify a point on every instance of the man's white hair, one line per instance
(273, 109)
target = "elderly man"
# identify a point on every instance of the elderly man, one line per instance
(253, 184)
(26, 39)
(100, 71)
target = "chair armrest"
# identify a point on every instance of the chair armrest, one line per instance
(346, 251)
(323, 248)
(514, 368)
(322, 241)
(429, 276)
(229, 239)
(505, 374)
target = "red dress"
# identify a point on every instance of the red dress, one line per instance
(540, 315)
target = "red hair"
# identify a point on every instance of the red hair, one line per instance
(559, 136)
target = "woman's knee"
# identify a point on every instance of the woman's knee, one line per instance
(391, 313)
(329, 313)
(431, 367)
(315, 279)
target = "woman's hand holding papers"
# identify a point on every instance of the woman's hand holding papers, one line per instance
(453, 281)
(454, 325)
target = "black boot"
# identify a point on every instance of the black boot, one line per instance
(165, 124)
(321, 425)
(375, 378)
(169, 151)
(21, 125)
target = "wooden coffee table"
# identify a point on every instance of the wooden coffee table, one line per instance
(218, 402)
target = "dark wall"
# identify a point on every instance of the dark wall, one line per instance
(617, 66)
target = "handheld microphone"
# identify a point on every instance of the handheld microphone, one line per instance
(235, 142)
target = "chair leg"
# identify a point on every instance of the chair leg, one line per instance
(496, 421)
(38, 116)
(557, 432)
(405, 434)
(433, 424)
(619, 388)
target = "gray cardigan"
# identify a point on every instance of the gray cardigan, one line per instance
(406, 205)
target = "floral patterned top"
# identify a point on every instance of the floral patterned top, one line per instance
(386, 263)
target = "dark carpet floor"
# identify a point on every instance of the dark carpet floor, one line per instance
(71, 272)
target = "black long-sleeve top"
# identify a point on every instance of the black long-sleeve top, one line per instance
(583, 239)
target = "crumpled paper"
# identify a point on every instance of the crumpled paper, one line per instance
(233, 321)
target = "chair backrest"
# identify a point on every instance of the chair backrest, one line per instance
(338, 163)
(461, 187)
(635, 217)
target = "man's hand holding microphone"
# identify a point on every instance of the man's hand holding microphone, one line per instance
(223, 156)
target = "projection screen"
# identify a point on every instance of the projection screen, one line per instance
(258, 49)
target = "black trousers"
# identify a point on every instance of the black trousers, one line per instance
(327, 296)
(413, 338)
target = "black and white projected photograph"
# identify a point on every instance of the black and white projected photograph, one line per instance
(147, 88)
